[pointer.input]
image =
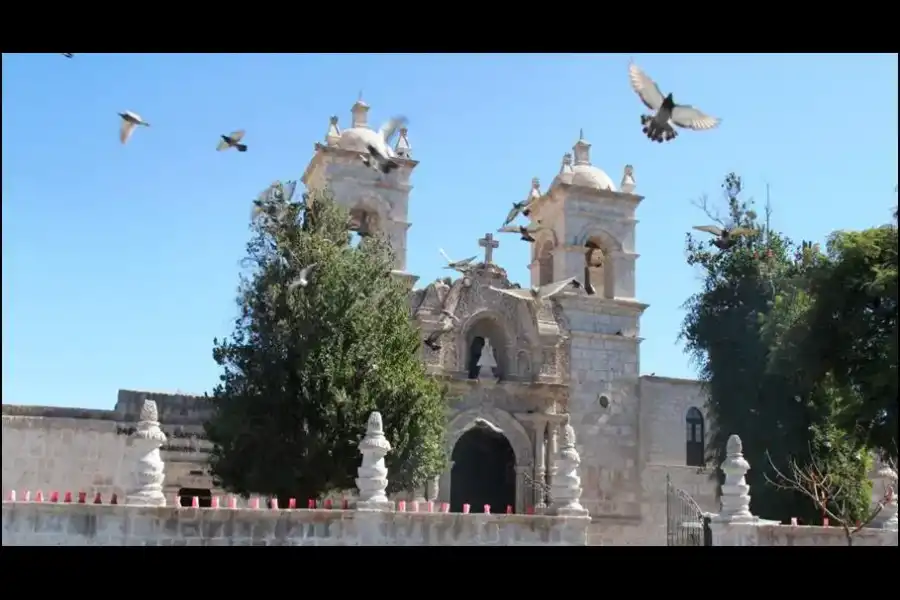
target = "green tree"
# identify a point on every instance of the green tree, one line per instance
(842, 333)
(726, 336)
(306, 365)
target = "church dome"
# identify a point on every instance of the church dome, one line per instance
(360, 136)
(592, 177)
(582, 172)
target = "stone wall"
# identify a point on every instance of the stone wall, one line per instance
(52, 448)
(44, 524)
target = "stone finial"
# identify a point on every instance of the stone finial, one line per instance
(402, 148)
(628, 183)
(582, 150)
(149, 470)
(487, 360)
(566, 163)
(334, 133)
(535, 192)
(360, 112)
(884, 488)
(372, 474)
(566, 487)
(735, 491)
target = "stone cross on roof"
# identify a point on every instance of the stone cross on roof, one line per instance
(488, 243)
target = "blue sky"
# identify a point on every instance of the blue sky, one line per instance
(120, 263)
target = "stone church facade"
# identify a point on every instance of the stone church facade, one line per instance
(516, 373)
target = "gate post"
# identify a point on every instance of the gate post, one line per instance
(735, 525)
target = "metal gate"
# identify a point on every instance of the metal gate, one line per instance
(686, 525)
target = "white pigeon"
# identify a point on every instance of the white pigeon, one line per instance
(462, 265)
(302, 280)
(539, 294)
(130, 121)
(379, 155)
(659, 127)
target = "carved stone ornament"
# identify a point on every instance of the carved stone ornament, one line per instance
(372, 479)
(149, 469)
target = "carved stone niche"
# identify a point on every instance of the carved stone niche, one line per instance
(486, 328)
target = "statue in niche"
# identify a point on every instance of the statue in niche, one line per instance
(487, 363)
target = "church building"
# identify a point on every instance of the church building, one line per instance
(517, 370)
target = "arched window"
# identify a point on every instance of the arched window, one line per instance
(695, 446)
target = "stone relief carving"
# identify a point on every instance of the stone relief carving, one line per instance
(517, 332)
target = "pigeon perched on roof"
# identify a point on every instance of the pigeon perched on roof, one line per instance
(660, 126)
(130, 121)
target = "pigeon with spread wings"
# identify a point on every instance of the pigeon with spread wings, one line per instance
(526, 231)
(659, 126)
(448, 323)
(232, 140)
(725, 238)
(462, 265)
(539, 294)
(130, 121)
(379, 155)
(302, 279)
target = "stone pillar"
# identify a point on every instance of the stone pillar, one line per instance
(372, 475)
(522, 495)
(432, 488)
(149, 471)
(552, 451)
(540, 467)
(735, 525)
(566, 489)
(884, 488)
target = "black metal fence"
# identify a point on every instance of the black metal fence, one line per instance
(686, 525)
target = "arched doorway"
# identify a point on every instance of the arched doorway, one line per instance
(483, 471)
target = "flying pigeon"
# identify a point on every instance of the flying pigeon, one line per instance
(302, 280)
(525, 231)
(379, 155)
(232, 140)
(130, 121)
(518, 208)
(539, 294)
(457, 265)
(725, 238)
(67, 54)
(659, 126)
(448, 323)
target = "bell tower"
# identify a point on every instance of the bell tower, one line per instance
(380, 203)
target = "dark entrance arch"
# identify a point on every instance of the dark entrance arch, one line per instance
(187, 495)
(483, 471)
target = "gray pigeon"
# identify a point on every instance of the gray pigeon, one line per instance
(461, 265)
(448, 323)
(725, 238)
(302, 280)
(232, 140)
(130, 121)
(535, 295)
(525, 231)
(660, 126)
(379, 156)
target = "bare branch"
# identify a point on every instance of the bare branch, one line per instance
(703, 204)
